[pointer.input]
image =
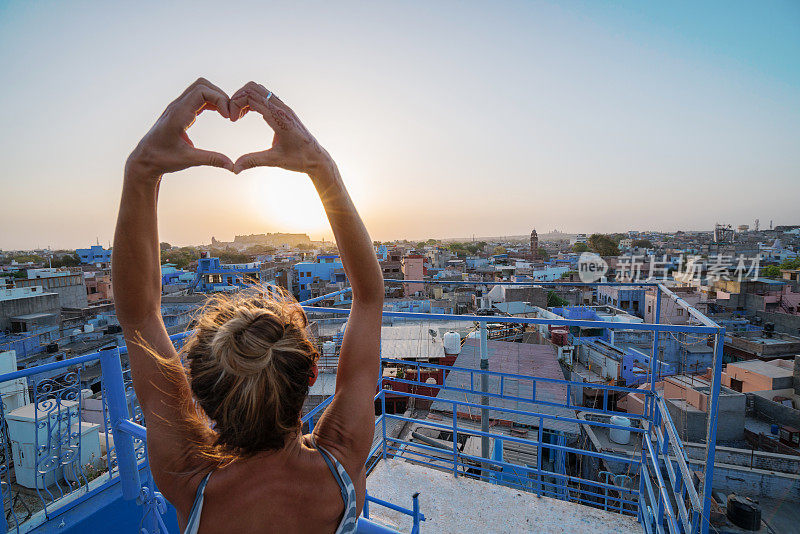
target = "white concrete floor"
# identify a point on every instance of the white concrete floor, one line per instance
(461, 504)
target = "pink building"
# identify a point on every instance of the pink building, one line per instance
(413, 269)
(98, 287)
(758, 375)
(671, 313)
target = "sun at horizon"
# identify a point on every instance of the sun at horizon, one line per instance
(285, 201)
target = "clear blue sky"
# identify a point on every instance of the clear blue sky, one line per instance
(446, 119)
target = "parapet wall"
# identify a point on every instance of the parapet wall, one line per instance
(775, 411)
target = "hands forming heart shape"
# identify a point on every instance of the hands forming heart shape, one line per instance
(167, 147)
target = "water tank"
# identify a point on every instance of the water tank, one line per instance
(623, 437)
(559, 338)
(452, 343)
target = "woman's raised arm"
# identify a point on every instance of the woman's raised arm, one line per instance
(136, 266)
(348, 424)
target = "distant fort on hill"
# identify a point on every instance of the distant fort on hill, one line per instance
(273, 240)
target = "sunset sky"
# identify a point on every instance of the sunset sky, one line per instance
(447, 119)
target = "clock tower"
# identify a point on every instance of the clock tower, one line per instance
(534, 244)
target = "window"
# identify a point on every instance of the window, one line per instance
(680, 312)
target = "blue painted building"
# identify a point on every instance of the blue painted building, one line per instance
(416, 306)
(629, 299)
(636, 367)
(94, 254)
(172, 275)
(327, 269)
(213, 276)
(474, 262)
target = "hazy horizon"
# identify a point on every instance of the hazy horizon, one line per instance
(446, 120)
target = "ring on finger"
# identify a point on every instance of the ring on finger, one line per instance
(269, 95)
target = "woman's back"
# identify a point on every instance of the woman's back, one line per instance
(290, 490)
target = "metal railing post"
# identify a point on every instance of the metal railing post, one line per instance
(484, 390)
(711, 434)
(455, 439)
(415, 500)
(117, 402)
(539, 477)
(654, 357)
(383, 419)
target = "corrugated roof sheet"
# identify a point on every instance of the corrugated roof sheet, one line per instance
(515, 358)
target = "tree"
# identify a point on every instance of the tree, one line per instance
(603, 245)
(554, 301)
(791, 264)
(67, 260)
(542, 253)
(771, 271)
(499, 249)
(580, 247)
(474, 248)
(255, 250)
(643, 243)
(233, 257)
(181, 257)
(164, 246)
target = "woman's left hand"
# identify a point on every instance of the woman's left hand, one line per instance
(293, 146)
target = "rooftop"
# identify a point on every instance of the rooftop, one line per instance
(770, 369)
(413, 340)
(519, 359)
(466, 505)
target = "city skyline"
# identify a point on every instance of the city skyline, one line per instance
(523, 236)
(580, 117)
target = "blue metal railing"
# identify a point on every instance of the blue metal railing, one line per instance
(664, 501)
(686, 510)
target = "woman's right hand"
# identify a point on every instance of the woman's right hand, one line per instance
(167, 148)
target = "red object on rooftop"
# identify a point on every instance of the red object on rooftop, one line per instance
(559, 338)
